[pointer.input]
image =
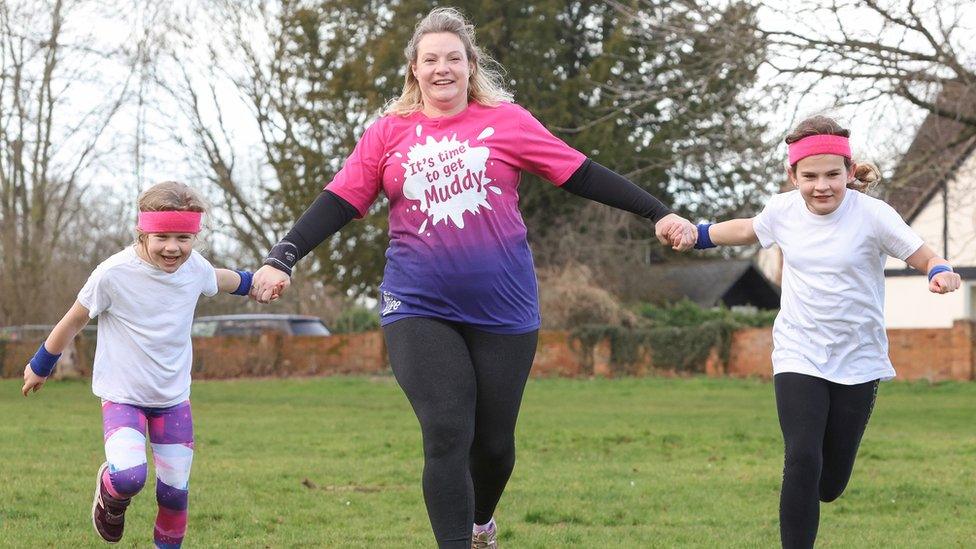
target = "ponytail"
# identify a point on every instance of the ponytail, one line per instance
(866, 177)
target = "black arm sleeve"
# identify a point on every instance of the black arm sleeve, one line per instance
(595, 182)
(327, 214)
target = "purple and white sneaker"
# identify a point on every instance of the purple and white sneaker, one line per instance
(485, 537)
(108, 513)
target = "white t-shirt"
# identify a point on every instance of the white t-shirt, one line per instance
(831, 319)
(144, 354)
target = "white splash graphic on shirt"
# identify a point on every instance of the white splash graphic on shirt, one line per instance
(448, 178)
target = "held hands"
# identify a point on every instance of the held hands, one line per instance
(32, 381)
(677, 232)
(945, 282)
(268, 284)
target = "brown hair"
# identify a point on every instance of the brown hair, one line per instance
(169, 196)
(866, 175)
(485, 86)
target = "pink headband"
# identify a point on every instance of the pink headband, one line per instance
(170, 222)
(819, 144)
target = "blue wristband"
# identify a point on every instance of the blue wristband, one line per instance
(943, 268)
(245, 286)
(704, 241)
(43, 362)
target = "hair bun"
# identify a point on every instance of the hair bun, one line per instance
(868, 173)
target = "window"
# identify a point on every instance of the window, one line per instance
(308, 327)
(251, 327)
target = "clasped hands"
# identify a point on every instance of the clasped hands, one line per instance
(268, 284)
(677, 232)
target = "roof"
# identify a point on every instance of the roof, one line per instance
(705, 281)
(940, 147)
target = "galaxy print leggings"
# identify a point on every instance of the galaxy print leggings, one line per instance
(171, 435)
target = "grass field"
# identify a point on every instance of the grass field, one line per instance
(650, 462)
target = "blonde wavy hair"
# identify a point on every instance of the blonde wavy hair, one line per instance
(485, 85)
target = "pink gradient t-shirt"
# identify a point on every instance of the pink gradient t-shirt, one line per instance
(458, 248)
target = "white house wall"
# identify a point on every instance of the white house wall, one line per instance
(909, 304)
(962, 219)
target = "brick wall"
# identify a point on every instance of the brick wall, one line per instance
(277, 355)
(931, 354)
(245, 356)
(936, 354)
(750, 353)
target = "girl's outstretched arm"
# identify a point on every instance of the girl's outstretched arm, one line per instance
(39, 368)
(941, 278)
(228, 280)
(734, 232)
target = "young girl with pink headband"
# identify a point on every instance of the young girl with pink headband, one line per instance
(830, 349)
(144, 297)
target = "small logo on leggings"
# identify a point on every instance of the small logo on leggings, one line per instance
(390, 303)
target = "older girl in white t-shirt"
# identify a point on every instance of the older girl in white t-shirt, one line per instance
(830, 349)
(144, 298)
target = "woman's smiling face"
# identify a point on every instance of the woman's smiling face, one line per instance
(442, 70)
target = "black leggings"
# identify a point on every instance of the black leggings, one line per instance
(465, 385)
(822, 425)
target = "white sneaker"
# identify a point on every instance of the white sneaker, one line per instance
(487, 539)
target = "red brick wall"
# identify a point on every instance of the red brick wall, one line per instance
(932, 354)
(277, 355)
(935, 354)
(750, 353)
(554, 357)
(229, 357)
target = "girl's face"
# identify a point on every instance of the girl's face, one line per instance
(442, 69)
(822, 181)
(167, 251)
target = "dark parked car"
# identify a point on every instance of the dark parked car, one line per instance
(256, 324)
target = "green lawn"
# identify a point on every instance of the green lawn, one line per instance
(336, 462)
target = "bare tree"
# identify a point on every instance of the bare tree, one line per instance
(863, 51)
(54, 111)
(281, 72)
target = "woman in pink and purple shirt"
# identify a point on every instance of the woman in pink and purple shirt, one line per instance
(460, 309)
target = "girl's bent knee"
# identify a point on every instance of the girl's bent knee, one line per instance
(128, 482)
(831, 493)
